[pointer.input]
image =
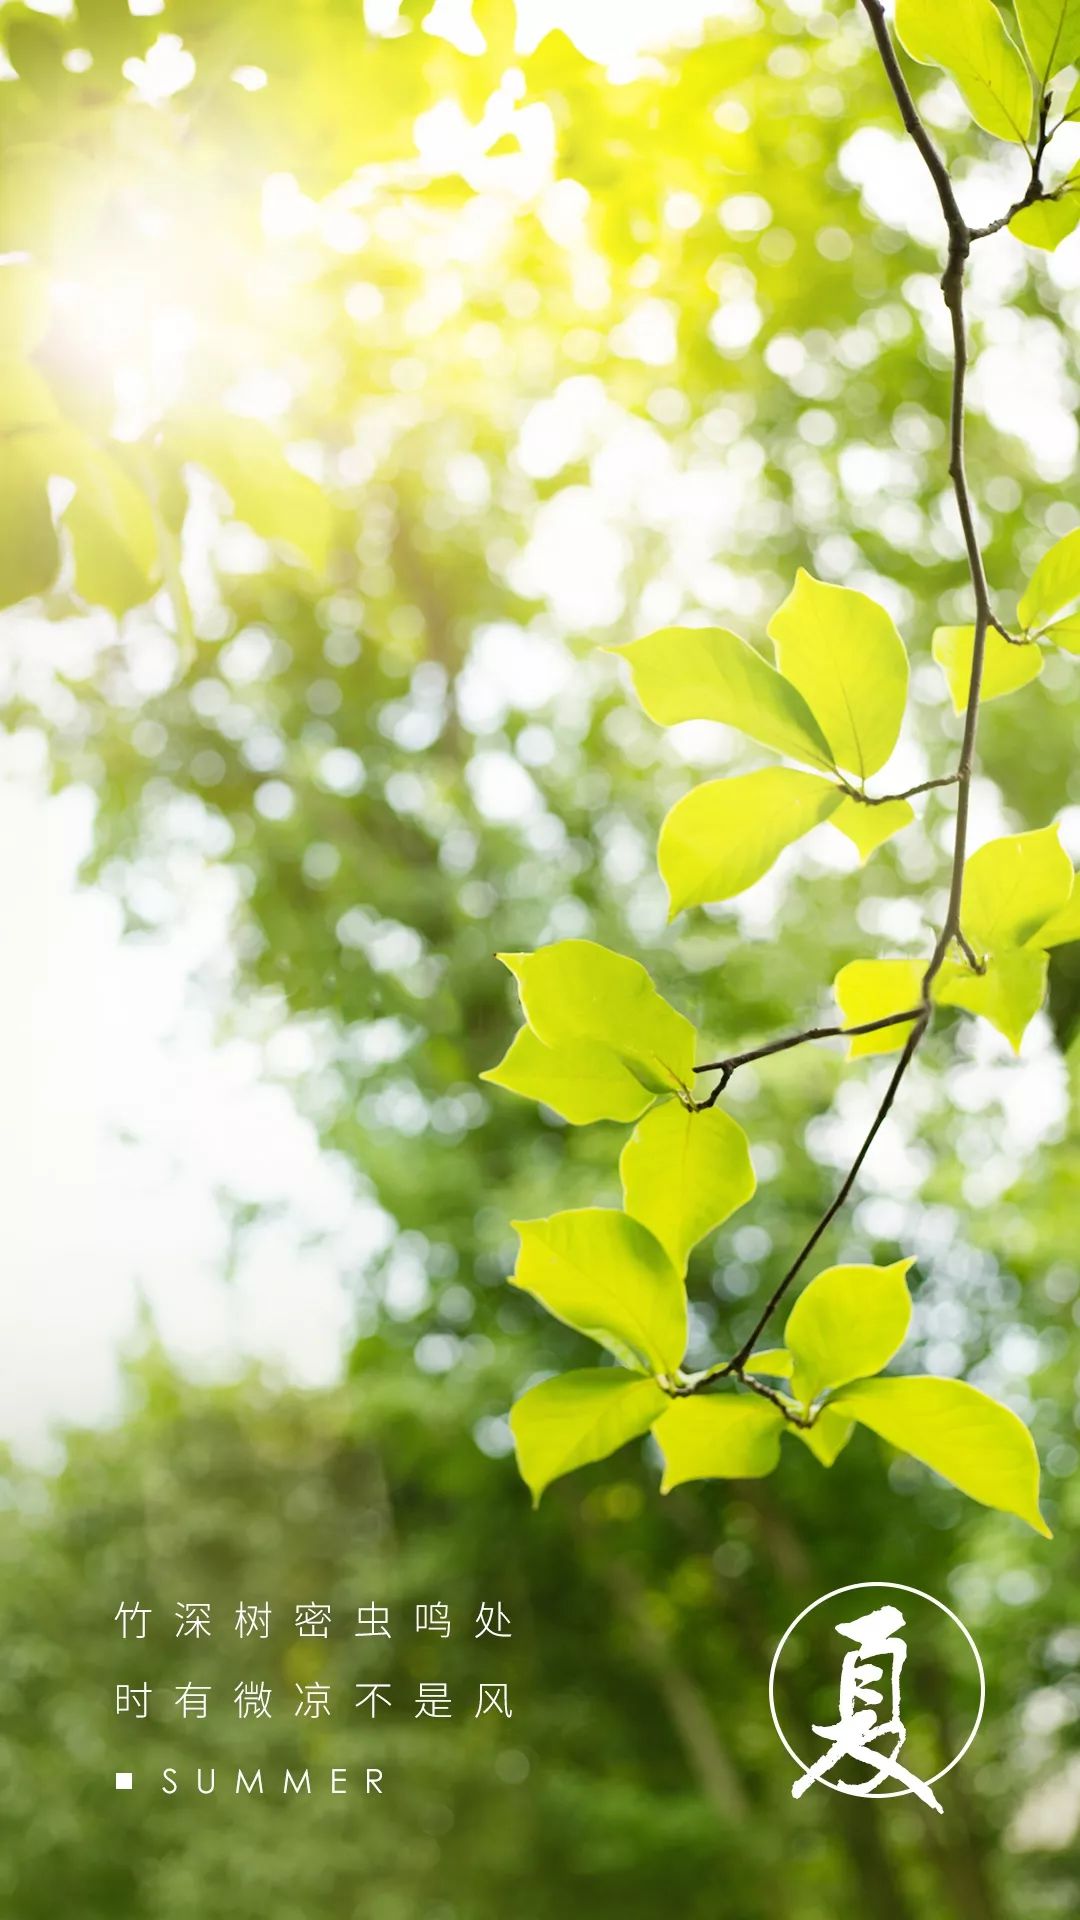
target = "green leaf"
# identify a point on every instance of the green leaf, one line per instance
(110, 523)
(1008, 994)
(972, 1441)
(1051, 34)
(718, 1437)
(828, 1436)
(684, 1173)
(968, 39)
(577, 1418)
(581, 1081)
(847, 1323)
(1012, 886)
(24, 306)
(1046, 223)
(1005, 667)
(721, 837)
(1062, 926)
(267, 493)
(1054, 585)
(774, 1361)
(706, 673)
(845, 656)
(868, 827)
(575, 990)
(1065, 633)
(29, 550)
(605, 1274)
(872, 989)
(25, 398)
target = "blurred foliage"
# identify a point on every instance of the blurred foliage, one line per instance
(601, 352)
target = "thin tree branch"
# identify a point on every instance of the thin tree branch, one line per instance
(960, 238)
(908, 793)
(739, 1361)
(727, 1067)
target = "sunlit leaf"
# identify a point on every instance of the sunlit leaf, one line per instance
(723, 836)
(828, 1436)
(969, 40)
(1062, 926)
(579, 1417)
(1005, 667)
(868, 990)
(1054, 585)
(1008, 993)
(266, 490)
(606, 1275)
(109, 520)
(718, 1437)
(582, 1081)
(1051, 34)
(1011, 888)
(575, 990)
(845, 656)
(1065, 633)
(24, 306)
(969, 1439)
(683, 1173)
(846, 1324)
(1046, 223)
(774, 1361)
(29, 551)
(705, 673)
(868, 827)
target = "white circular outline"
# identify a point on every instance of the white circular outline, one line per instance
(859, 1586)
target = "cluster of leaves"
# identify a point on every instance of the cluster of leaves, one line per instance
(1006, 86)
(832, 700)
(601, 1043)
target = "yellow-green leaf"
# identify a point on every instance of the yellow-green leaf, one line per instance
(684, 1173)
(774, 1361)
(722, 836)
(29, 551)
(582, 1081)
(845, 656)
(1046, 223)
(267, 491)
(846, 1324)
(1054, 585)
(718, 1437)
(605, 1274)
(109, 521)
(869, 990)
(1005, 667)
(972, 1441)
(575, 990)
(1065, 633)
(828, 1436)
(706, 673)
(1062, 926)
(1051, 34)
(868, 827)
(968, 39)
(1008, 994)
(1011, 888)
(24, 306)
(579, 1417)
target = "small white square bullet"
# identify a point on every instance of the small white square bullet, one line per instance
(123, 1782)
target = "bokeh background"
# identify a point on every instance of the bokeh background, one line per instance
(447, 349)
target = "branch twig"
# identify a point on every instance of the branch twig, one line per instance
(960, 238)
